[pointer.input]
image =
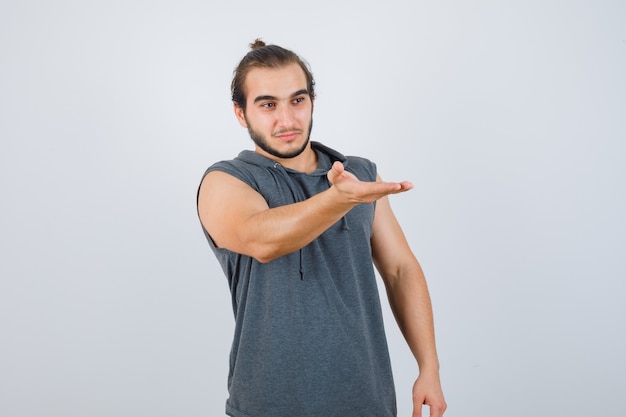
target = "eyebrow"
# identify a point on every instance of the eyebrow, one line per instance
(267, 97)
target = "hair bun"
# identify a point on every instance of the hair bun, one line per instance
(257, 44)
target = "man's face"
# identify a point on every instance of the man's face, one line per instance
(279, 110)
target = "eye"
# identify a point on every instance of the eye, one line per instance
(268, 105)
(298, 100)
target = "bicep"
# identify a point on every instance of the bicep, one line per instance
(224, 205)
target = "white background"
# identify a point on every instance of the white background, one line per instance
(509, 117)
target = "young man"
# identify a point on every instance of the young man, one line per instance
(298, 228)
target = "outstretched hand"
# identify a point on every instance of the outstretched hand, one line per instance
(361, 191)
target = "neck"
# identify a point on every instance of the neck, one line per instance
(305, 162)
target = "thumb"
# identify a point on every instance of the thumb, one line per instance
(335, 172)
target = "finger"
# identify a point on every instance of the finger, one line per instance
(399, 187)
(437, 409)
(417, 410)
(406, 185)
(381, 189)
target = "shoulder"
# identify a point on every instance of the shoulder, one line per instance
(363, 168)
(236, 168)
(251, 173)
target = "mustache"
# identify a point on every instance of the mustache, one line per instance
(288, 130)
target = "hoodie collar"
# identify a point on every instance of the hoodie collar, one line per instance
(325, 158)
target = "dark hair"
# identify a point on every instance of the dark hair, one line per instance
(266, 56)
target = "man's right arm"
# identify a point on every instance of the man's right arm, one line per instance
(239, 219)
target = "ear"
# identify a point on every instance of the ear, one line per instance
(239, 113)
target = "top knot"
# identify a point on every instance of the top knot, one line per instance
(257, 44)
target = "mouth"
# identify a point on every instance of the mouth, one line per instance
(287, 136)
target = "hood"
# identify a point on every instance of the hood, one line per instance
(326, 158)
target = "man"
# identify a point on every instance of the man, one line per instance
(297, 228)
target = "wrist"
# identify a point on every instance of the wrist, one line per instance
(429, 369)
(340, 199)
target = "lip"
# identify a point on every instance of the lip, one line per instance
(288, 136)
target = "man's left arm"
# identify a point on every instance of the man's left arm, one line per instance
(410, 302)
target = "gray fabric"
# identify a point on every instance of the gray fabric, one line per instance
(309, 337)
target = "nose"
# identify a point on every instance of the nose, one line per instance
(285, 116)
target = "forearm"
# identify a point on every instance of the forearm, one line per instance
(278, 231)
(410, 302)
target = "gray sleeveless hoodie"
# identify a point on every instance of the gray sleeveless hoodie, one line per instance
(309, 338)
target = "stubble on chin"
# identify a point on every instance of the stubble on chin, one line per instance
(262, 143)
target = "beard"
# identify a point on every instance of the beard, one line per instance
(262, 142)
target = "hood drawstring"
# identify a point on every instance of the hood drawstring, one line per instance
(295, 198)
(332, 156)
